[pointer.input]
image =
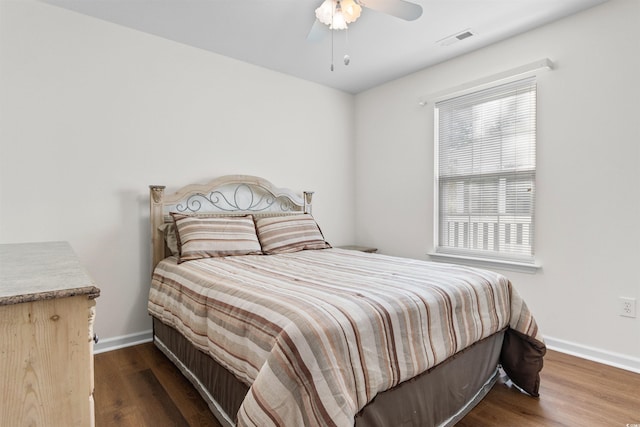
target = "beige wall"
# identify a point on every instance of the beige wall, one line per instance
(83, 101)
(92, 113)
(588, 200)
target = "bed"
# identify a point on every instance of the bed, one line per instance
(273, 326)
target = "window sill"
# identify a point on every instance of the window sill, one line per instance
(520, 267)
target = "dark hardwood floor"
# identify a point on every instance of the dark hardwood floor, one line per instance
(138, 386)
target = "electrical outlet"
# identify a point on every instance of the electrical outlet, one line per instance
(627, 307)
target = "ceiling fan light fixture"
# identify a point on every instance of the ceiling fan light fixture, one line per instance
(338, 13)
(350, 10)
(326, 11)
(339, 22)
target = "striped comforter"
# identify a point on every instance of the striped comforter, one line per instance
(317, 334)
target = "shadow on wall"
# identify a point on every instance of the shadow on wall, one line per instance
(120, 264)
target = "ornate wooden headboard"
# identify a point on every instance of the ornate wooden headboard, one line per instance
(227, 195)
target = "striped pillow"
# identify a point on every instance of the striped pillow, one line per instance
(210, 237)
(293, 233)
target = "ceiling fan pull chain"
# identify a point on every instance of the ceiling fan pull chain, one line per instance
(331, 50)
(347, 58)
(332, 31)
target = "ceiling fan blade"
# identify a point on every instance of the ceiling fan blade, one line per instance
(399, 8)
(317, 32)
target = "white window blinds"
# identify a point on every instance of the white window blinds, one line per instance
(486, 154)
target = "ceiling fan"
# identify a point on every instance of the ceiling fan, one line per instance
(337, 14)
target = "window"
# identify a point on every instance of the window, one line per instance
(486, 170)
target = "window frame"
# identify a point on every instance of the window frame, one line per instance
(474, 257)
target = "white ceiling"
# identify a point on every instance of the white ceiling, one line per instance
(273, 33)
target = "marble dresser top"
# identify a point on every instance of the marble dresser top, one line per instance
(38, 271)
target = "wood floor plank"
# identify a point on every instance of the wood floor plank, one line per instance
(125, 416)
(160, 408)
(573, 392)
(138, 386)
(186, 397)
(115, 405)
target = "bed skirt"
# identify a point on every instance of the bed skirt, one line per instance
(439, 397)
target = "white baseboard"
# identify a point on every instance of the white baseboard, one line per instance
(605, 357)
(114, 343)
